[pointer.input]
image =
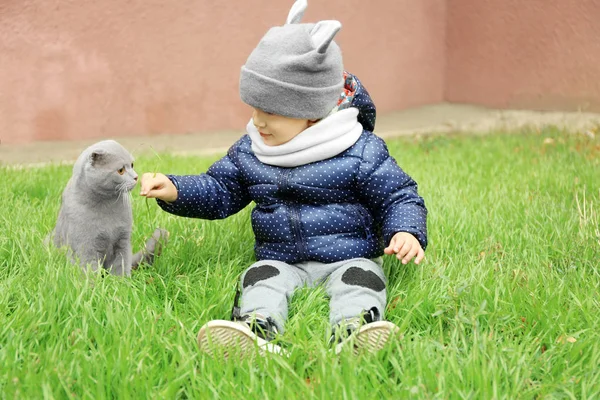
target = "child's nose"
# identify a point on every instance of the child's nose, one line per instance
(257, 121)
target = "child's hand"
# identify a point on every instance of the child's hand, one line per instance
(155, 185)
(405, 246)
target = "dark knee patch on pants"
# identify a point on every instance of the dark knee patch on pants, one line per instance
(359, 277)
(260, 273)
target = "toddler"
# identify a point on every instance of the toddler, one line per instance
(330, 200)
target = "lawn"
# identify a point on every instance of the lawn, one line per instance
(506, 305)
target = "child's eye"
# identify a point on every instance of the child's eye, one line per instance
(121, 171)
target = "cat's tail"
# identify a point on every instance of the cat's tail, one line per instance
(152, 248)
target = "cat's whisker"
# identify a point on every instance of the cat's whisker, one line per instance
(120, 189)
(128, 198)
(125, 192)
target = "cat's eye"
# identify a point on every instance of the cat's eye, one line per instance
(131, 165)
(121, 171)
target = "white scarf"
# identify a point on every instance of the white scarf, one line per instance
(327, 138)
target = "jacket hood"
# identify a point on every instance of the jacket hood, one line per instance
(356, 95)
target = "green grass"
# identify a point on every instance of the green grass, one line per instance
(506, 306)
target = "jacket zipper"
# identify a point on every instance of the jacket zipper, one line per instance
(300, 244)
(364, 221)
(294, 216)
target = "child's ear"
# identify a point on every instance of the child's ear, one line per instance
(322, 34)
(296, 12)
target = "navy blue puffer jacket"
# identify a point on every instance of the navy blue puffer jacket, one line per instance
(343, 207)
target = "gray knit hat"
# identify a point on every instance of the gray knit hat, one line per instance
(296, 70)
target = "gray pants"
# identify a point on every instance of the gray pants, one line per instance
(353, 286)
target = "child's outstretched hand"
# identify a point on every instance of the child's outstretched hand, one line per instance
(155, 185)
(405, 246)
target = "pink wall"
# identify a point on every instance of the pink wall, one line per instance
(538, 54)
(85, 68)
(91, 69)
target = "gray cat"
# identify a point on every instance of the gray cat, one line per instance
(95, 217)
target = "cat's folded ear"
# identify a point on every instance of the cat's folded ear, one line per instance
(96, 156)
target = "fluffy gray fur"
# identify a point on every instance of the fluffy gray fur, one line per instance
(95, 217)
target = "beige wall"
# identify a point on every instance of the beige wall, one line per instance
(87, 68)
(538, 54)
(93, 69)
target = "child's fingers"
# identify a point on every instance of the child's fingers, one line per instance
(151, 194)
(390, 248)
(146, 190)
(410, 255)
(158, 191)
(146, 184)
(402, 252)
(149, 183)
(420, 256)
(398, 245)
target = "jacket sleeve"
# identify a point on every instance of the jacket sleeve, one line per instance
(216, 194)
(390, 194)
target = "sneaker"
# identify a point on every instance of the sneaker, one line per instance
(364, 333)
(245, 337)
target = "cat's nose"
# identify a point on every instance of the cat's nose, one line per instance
(135, 178)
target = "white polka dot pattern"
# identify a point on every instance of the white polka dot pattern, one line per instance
(347, 206)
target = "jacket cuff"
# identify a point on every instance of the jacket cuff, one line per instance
(170, 207)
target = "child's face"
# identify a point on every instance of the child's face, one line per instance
(276, 129)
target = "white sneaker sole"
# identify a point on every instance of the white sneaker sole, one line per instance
(370, 337)
(228, 338)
